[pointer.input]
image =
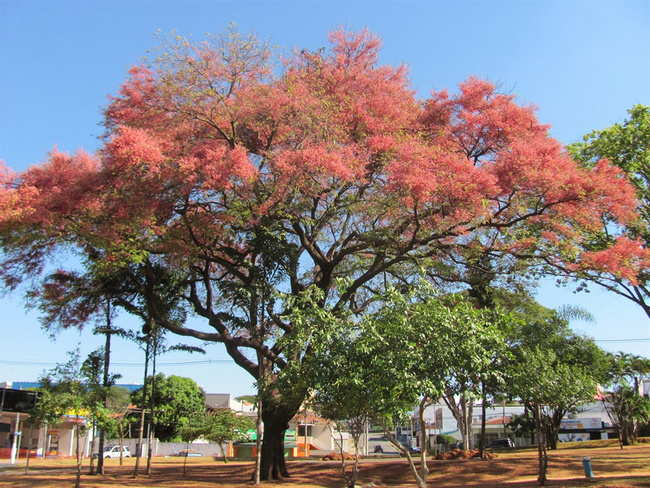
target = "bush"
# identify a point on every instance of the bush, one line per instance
(445, 439)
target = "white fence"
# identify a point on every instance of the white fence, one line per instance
(161, 449)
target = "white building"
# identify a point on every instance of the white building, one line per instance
(225, 400)
(590, 422)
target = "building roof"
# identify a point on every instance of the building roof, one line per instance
(497, 421)
(311, 418)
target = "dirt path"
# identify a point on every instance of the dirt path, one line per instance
(612, 467)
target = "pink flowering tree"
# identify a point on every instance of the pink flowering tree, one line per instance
(254, 178)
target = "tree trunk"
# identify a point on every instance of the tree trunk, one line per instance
(100, 452)
(424, 469)
(481, 444)
(389, 435)
(138, 450)
(462, 412)
(355, 427)
(223, 453)
(541, 447)
(624, 432)
(105, 385)
(77, 435)
(152, 400)
(276, 419)
(258, 440)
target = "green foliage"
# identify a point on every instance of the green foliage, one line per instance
(252, 399)
(445, 439)
(553, 369)
(627, 409)
(175, 398)
(73, 389)
(413, 346)
(218, 425)
(224, 425)
(626, 146)
(522, 425)
(626, 369)
(389, 359)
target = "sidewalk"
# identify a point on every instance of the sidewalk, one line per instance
(6, 463)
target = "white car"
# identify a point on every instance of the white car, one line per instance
(114, 452)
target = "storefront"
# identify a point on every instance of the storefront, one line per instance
(584, 429)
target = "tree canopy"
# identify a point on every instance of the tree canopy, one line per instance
(252, 178)
(413, 350)
(626, 406)
(175, 399)
(626, 146)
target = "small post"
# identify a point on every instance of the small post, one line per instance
(586, 465)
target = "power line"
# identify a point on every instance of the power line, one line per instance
(642, 339)
(118, 363)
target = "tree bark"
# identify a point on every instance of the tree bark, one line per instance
(541, 447)
(105, 385)
(556, 423)
(77, 435)
(152, 400)
(424, 469)
(258, 441)
(481, 444)
(138, 450)
(462, 412)
(276, 419)
(400, 447)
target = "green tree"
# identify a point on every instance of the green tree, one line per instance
(340, 373)
(578, 356)
(76, 300)
(98, 384)
(191, 427)
(118, 404)
(523, 425)
(478, 339)
(399, 356)
(533, 381)
(175, 398)
(626, 407)
(553, 370)
(220, 425)
(223, 426)
(71, 389)
(627, 146)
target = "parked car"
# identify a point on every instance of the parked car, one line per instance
(114, 452)
(412, 449)
(501, 443)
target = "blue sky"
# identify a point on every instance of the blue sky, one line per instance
(583, 63)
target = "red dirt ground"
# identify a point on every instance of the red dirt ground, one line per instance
(612, 467)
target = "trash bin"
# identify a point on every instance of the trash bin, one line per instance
(586, 465)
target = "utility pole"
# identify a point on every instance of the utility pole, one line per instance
(305, 431)
(14, 445)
